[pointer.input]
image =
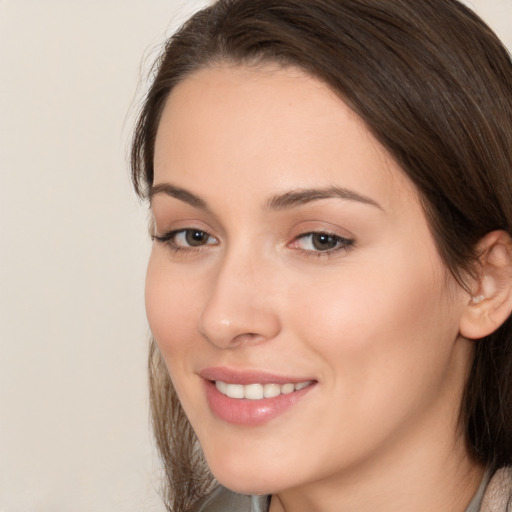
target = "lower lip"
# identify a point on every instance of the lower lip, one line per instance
(250, 412)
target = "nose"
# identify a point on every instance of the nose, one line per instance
(240, 308)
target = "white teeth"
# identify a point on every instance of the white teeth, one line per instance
(258, 391)
(271, 390)
(222, 387)
(286, 389)
(235, 390)
(253, 391)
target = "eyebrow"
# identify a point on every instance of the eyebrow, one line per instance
(286, 201)
(296, 198)
(178, 193)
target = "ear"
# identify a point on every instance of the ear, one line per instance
(491, 301)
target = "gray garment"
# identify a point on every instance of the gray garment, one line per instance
(224, 500)
(493, 495)
(476, 502)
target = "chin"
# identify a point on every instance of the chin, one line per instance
(245, 478)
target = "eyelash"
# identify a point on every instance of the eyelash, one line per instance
(169, 239)
(341, 243)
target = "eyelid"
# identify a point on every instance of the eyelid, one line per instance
(342, 242)
(169, 223)
(169, 239)
(345, 239)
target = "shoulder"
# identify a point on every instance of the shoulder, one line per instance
(498, 494)
(224, 500)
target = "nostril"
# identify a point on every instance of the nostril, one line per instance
(249, 337)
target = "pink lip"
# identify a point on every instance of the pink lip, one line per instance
(249, 412)
(248, 376)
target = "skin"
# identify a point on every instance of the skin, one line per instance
(375, 323)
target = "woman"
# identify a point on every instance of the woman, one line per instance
(330, 284)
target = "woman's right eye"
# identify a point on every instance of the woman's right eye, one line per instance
(186, 239)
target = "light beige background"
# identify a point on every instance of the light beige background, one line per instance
(74, 431)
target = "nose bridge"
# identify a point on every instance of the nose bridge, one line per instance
(239, 306)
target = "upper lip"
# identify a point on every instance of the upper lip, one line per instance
(244, 377)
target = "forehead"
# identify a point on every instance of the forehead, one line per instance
(270, 126)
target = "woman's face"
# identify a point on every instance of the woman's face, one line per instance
(293, 262)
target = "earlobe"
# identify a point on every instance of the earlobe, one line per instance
(491, 301)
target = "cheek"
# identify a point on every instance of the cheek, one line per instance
(383, 343)
(376, 319)
(171, 306)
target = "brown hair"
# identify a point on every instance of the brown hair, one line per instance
(434, 85)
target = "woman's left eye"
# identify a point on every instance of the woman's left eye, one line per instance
(321, 242)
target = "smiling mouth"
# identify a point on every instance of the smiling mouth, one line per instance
(259, 391)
